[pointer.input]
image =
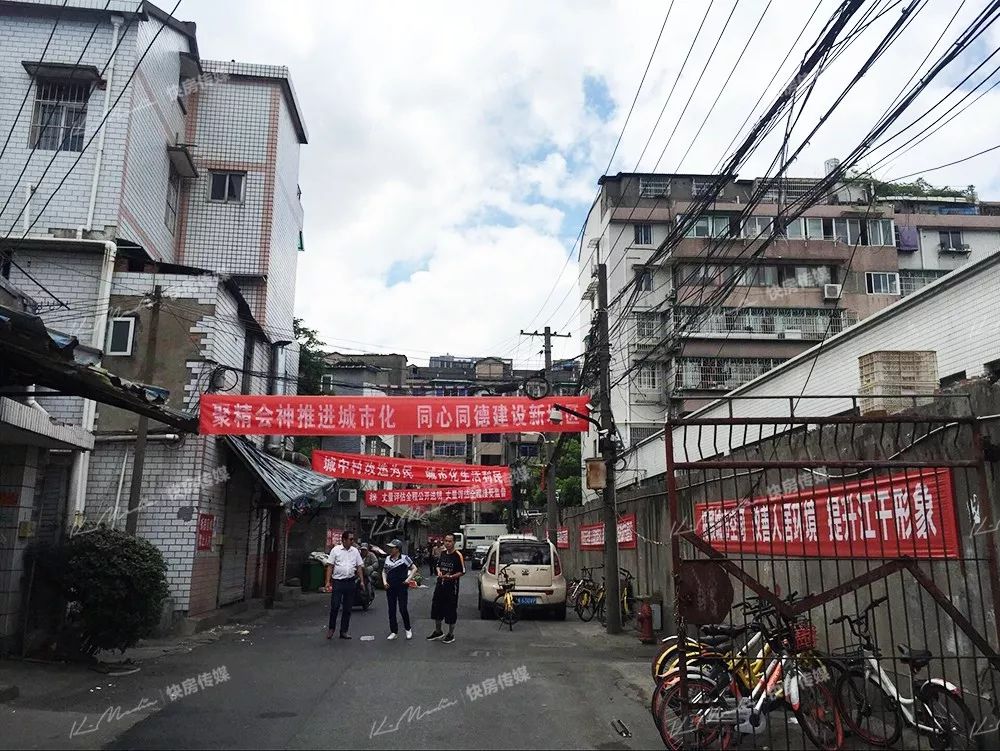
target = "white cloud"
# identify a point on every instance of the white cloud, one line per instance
(436, 126)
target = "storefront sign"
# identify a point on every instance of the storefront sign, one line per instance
(233, 414)
(386, 469)
(907, 514)
(592, 535)
(206, 530)
(434, 496)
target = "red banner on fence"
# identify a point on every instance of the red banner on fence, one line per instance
(909, 514)
(388, 469)
(562, 537)
(232, 414)
(434, 496)
(592, 535)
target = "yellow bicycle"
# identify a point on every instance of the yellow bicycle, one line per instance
(505, 606)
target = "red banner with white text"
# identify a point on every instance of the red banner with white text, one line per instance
(232, 414)
(907, 514)
(434, 496)
(592, 535)
(562, 537)
(390, 469)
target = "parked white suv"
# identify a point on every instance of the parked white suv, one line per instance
(534, 566)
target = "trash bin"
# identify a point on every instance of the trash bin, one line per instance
(313, 576)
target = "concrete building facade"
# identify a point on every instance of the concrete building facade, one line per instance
(742, 312)
(144, 165)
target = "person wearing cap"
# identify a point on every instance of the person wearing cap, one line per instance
(397, 571)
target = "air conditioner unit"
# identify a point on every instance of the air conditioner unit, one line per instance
(832, 291)
(347, 496)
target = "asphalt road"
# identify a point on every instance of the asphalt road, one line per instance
(546, 684)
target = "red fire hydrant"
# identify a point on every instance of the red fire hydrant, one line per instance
(645, 623)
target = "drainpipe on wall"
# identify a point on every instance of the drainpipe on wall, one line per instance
(116, 22)
(277, 360)
(81, 459)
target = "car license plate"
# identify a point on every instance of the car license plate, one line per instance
(526, 600)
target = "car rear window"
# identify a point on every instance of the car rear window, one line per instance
(526, 553)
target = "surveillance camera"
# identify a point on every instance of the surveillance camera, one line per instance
(555, 415)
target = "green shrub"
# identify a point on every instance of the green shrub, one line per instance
(114, 586)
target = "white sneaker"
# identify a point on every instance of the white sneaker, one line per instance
(409, 634)
(390, 637)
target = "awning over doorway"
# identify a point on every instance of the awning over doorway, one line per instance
(296, 488)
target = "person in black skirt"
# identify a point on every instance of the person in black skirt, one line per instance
(444, 604)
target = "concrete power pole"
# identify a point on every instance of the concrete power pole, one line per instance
(139, 458)
(551, 502)
(612, 591)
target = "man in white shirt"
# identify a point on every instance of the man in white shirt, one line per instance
(345, 566)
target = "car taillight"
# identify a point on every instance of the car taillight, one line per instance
(492, 568)
(558, 566)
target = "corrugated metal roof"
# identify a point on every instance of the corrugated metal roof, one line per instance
(296, 488)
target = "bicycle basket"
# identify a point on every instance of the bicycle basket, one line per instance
(804, 635)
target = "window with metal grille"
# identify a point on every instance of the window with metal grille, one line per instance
(912, 280)
(807, 323)
(653, 187)
(227, 187)
(882, 283)
(417, 448)
(720, 373)
(647, 325)
(640, 433)
(173, 199)
(449, 448)
(643, 234)
(701, 186)
(60, 114)
(645, 378)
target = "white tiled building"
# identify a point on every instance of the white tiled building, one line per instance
(192, 186)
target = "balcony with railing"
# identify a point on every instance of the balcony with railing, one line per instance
(720, 373)
(781, 323)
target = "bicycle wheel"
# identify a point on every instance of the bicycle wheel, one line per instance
(682, 726)
(506, 615)
(818, 717)
(867, 709)
(951, 714)
(585, 606)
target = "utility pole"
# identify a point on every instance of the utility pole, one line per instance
(551, 503)
(612, 597)
(139, 458)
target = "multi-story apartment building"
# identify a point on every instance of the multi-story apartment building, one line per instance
(716, 312)
(139, 171)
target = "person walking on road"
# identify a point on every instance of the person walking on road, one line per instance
(345, 566)
(397, 572)
(444, 604)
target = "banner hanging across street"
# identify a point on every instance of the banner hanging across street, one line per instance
(592, 535)
(910, 514)
(435, 496)
(390, 469)
(233, 414)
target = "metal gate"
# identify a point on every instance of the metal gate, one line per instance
(812, 518)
